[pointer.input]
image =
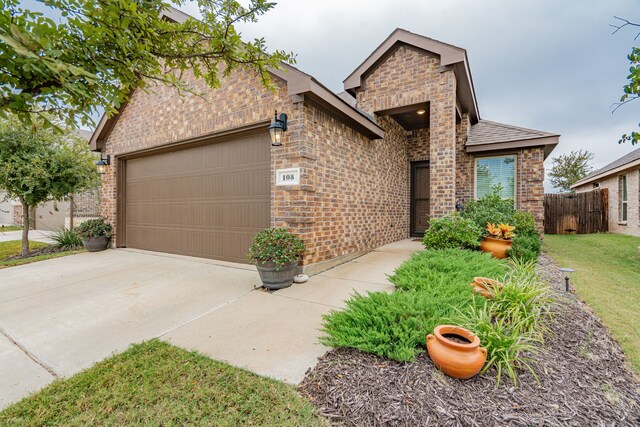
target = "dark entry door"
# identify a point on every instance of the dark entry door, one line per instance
(420, 190)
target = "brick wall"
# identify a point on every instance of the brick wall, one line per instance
(612, 183)
(87, 204)
(410, 76)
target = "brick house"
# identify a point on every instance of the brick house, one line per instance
(356, 170)
(622, 178)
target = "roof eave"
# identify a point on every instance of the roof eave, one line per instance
(607, 173)
(548, 142)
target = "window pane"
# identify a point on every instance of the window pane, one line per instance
(624, 211)
(624, 188)
(494, 171)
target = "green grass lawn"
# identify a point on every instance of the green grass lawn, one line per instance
(9, 228)
(14, 247)
(607, 277)
(154, 383)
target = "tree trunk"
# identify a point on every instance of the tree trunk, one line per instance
(71, 212)
(25, 228)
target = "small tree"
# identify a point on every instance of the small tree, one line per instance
(631, 91)
(39, 165)
(570, 168)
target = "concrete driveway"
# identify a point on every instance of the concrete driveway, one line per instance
(34, 235)
(60, 316)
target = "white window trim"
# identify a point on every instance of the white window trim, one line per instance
(515, 175)
(624, 178)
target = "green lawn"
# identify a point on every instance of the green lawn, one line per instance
(9, 228)
(154, 383)
(607, 277)
(14, 247)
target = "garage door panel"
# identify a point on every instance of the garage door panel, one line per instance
(206, 201)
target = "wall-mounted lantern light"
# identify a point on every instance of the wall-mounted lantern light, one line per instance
(277, 128)
(103, 163)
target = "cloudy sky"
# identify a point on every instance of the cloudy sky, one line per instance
(546, 64)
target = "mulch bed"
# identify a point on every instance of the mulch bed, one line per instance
(583, 382)
(45, 250)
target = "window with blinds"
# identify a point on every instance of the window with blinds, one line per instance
(494, 171)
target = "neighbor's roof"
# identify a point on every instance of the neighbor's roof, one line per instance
(450, 55)
(625, 162)
(491, 136)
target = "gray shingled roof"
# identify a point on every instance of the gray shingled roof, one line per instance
(488, 132)
(626, 159)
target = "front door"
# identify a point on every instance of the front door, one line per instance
(419, 198)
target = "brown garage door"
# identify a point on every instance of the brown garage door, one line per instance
(207, 201)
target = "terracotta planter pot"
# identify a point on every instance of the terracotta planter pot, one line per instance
(485, 286)
(458, 360)
(497, 247)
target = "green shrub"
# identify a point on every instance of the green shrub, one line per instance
(525, 224)
(392, 325)
(275, 245)
(430, 286)
(507, 342)
(452, 232)
(94, 228)
(525, 247)
(434, 271)
(511, 325)
(490, 209)
(67, 239)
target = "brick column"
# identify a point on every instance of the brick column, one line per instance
(442, 149)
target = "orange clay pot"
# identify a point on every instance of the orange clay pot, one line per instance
(485, 287)
(496, 247)
(457, 360)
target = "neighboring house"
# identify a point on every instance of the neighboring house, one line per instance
(53, 216)
(6, 209)
(355, 170)
(622, 179)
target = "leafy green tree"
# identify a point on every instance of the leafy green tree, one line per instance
(631, 91)
(103, 49)
(38, 165)
(567, 169)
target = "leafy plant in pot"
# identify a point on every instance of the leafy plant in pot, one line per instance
(498, 242)
(95, 234)
(276, 253)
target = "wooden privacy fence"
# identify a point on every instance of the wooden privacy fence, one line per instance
(577, 213)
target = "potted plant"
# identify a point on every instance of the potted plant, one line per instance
(276, 253)
(456, 351)
(95, 234)
(498, 242)
(485, 287)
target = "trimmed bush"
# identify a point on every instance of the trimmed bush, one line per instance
(525, 224)
(430, 286)
(435, 271)
(525, 247)
(452, 232)
(490, 209)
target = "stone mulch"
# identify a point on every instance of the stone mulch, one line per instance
(583, 381)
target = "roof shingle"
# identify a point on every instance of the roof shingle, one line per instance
(488, 132)
(626, 159)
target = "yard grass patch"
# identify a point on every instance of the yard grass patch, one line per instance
(607, 277)
(6, 228)
(14, 247)
(155, 383)
(431, 285)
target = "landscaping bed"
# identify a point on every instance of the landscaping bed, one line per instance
(581, 370)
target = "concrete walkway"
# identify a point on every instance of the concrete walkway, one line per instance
(60, 316)
(34, 235)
